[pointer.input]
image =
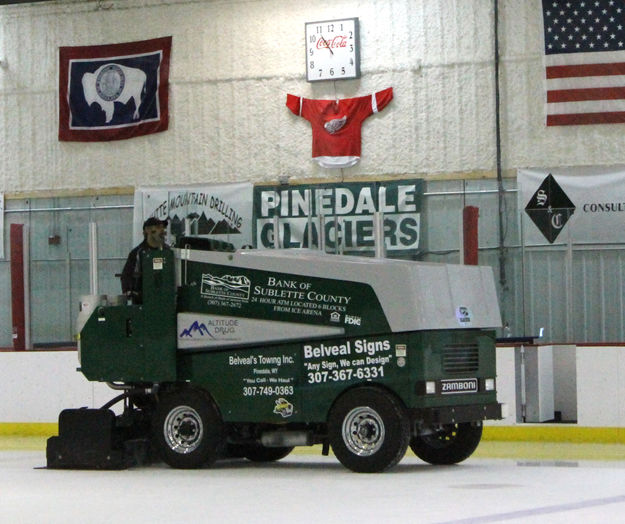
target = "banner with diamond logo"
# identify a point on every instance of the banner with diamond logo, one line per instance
(588, 202)
(550, 208)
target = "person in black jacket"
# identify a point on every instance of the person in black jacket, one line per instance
(154, 234)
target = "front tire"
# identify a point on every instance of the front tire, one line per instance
(451, 444)
(368, 430)
(187, 429)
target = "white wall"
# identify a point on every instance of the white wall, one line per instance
(35, 386)
(600, 385)
(506, 385)
(234, 61)
(588, 383)
(565, 376)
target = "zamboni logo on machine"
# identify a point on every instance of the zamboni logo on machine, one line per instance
(227, 286)
(462, 385)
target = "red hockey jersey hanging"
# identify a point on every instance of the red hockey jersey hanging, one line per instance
(336, 125)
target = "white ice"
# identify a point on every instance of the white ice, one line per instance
(305, 488)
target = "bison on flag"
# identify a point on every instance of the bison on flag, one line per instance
(114, 83)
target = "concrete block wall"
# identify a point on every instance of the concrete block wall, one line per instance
(234, 61)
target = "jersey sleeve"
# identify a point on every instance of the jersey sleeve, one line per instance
(294, 103)
(381, 99)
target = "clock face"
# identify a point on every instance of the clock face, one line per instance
(332, 51)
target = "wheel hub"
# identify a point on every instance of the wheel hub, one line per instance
(183, 429)
(363, 431)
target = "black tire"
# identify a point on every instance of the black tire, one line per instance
(368, 430)
(451, 444)
(187, 429)
(259, 453)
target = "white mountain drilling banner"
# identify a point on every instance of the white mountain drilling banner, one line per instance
(583, 204)
(220, 211)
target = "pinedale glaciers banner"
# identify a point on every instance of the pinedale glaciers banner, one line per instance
(346, 211)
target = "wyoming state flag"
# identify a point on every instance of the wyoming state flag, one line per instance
(112, 92)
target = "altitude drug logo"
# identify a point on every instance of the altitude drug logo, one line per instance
(550, 208)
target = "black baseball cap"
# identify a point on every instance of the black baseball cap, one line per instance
(153, 221)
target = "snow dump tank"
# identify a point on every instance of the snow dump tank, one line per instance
(244, 297)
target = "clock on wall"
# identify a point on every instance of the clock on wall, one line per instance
(332, 50)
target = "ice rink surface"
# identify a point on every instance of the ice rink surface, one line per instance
(307, 488)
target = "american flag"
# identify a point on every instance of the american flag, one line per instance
(585, 61)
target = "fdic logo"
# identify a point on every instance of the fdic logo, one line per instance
(550, 208)
(353, 320)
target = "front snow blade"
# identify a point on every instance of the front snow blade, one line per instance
(88, 439)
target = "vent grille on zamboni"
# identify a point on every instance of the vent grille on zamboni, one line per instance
(460, 358)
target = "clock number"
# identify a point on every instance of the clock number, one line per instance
(312, 39)
(351, 48)
(342, 70)
(331, 71)
(311, 51)
(351, 35)
(312, 65)
(320, 72)
(319, 29)
(330, 28)
(351, 61)
(341, 27)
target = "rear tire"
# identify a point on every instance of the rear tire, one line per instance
(368, 430)
(187, 429)
(453, 443)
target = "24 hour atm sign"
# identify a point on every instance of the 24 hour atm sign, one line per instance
(346, 212)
